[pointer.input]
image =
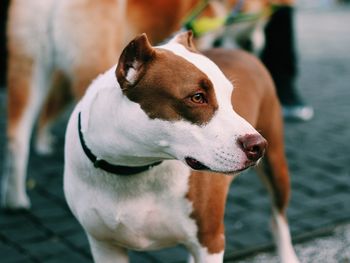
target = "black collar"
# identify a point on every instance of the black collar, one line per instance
(106, 166)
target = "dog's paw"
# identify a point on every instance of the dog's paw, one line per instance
(44, 144)
(13, 195)
(14, 201)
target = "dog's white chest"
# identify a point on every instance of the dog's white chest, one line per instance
(149, 222)
(141, 215)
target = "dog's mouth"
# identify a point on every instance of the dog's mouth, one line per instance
(195, 164)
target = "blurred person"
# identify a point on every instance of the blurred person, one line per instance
(280, 57)
(3, 54)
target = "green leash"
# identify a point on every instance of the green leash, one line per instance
(203, 25)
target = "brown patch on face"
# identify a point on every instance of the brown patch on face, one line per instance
(207, 192)
(165, 85)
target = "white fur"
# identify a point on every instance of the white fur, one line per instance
(200, 254)
(283, 239)
(156, 217)
(70, 27)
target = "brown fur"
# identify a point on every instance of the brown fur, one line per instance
(163, 17)
(208, 193)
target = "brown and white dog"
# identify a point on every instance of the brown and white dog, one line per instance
(53, 43)
(142, 125)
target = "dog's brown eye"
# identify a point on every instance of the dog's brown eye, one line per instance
(198, 98)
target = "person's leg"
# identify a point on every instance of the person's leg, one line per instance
(3, 54)
(280, 57)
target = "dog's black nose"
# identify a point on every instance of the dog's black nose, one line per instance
(253, 145)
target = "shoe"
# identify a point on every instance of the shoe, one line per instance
(297, 112)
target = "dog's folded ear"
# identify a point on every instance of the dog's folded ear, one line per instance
(133, 60)
(186, 39)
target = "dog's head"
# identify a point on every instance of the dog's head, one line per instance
(182, 107)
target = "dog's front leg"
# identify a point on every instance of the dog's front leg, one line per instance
(283, 238)
(105, 252)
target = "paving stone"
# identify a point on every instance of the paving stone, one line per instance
(24, 232)
(46, 249)
(10, 254)
(78, 238)
(173, 255)
(62, 225)
(51, 212)
(68, 256)
(11, 219)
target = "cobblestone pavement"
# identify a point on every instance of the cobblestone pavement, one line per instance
(318, 157)
(331, 248)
